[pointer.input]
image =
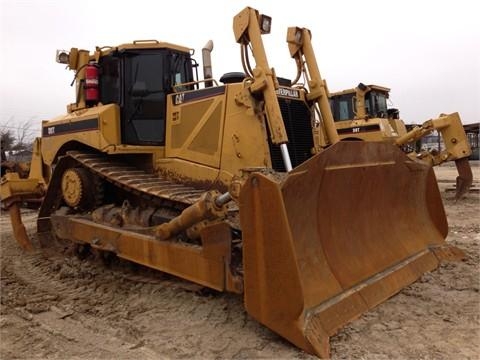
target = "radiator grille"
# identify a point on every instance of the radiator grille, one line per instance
(296, 117)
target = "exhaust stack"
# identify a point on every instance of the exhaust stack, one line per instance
(207, 62)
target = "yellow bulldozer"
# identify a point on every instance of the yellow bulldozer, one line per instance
(362, 114)
(230, 185)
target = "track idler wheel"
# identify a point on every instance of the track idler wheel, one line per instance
(79, 189)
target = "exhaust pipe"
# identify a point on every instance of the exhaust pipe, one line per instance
(207, 62)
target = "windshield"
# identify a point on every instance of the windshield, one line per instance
(181, 71)
(144, 110)
(145, 72)
(150, 75)
(109, 80)
(376, 104)
(341, 106)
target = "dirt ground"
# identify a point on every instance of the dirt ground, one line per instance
(56, 306)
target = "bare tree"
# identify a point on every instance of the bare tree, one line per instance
(16, 135)
(7, 139)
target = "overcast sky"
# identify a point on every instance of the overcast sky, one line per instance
(427, 52)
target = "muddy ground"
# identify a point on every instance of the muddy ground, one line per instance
(57, 306)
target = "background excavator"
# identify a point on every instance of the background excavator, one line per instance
(362, 114)
(241, 187)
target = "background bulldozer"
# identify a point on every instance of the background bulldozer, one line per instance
(231, 187)
(362, 114)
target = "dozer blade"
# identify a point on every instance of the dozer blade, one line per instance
(341, 233)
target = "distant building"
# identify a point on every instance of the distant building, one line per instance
(473, 134)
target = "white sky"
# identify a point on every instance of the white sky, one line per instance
(427, 52)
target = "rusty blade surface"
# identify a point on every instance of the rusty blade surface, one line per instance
(464, 179)
(346, 230)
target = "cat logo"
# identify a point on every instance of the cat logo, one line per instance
(179, 98)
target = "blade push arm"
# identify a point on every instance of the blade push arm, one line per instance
(248, 28)
(300, 46)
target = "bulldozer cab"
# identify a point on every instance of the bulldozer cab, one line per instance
(139, 80)
(346, 106)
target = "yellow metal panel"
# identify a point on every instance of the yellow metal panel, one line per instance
(153, 44)
(97, 127)
(195, 129)
(110, 125)
(183, 170)
(185, 123)
(245, 136)
(210, 142)
(205, 141)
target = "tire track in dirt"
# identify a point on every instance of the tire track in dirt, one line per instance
(54, 304)
(130, 305)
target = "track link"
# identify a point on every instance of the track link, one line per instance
(136, 180)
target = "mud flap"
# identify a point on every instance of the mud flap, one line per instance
(343, 232)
